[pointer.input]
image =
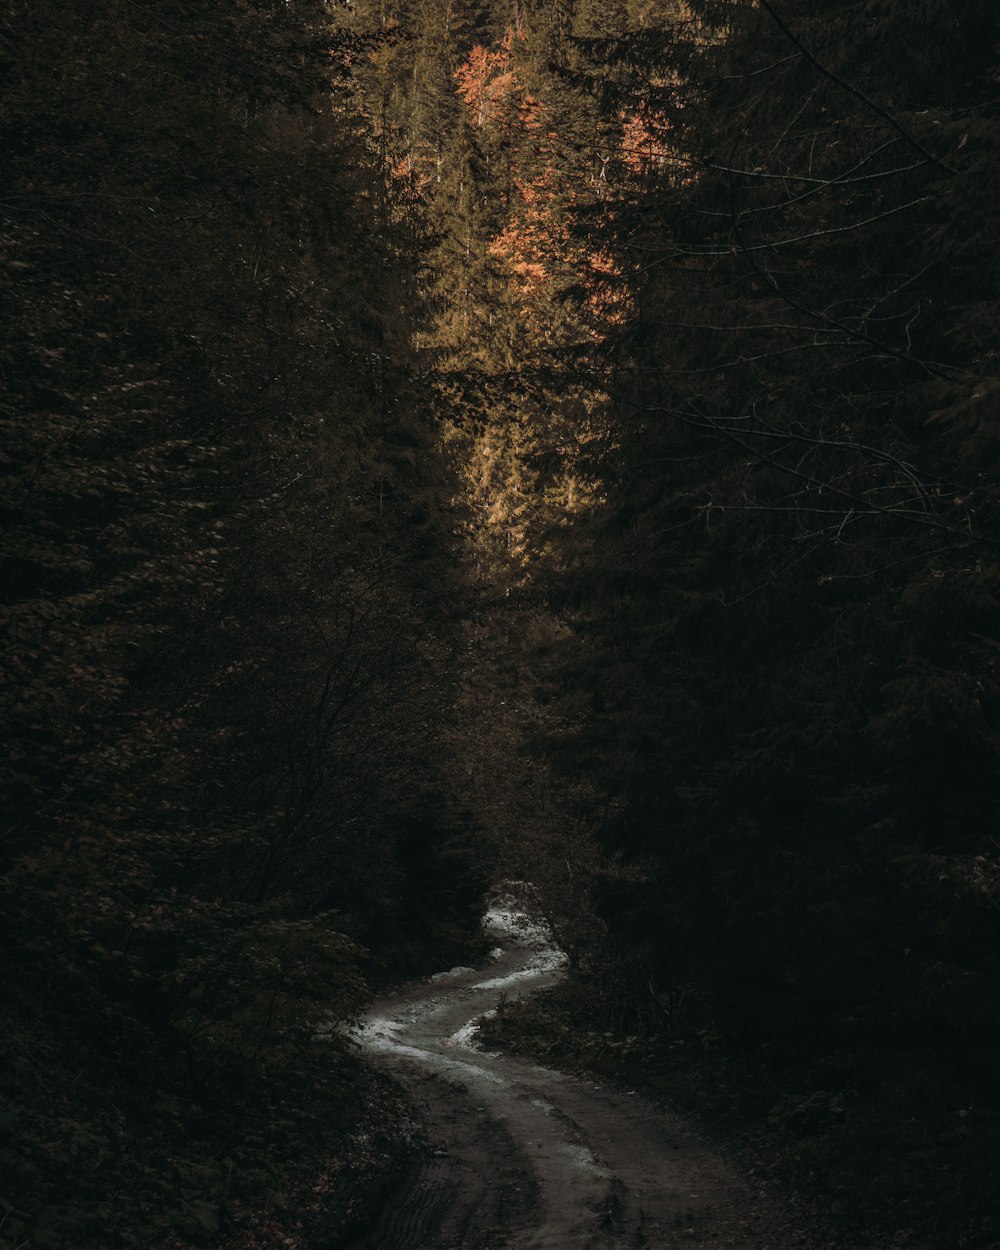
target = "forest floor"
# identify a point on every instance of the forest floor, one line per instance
(518, 1155)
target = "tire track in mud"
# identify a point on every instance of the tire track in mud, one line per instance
(471, 1187)
(521, 1157)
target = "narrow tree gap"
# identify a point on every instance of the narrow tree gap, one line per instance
(449, 443)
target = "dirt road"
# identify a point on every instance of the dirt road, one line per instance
(527, 1158)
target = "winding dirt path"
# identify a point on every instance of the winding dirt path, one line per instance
(522, 1157)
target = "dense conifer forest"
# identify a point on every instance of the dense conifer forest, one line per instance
(449, 440)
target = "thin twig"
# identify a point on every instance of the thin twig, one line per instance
(903, 133)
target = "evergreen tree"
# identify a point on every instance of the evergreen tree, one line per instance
(226, 537)
(786, 609)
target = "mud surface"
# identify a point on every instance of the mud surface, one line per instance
(522, 1157)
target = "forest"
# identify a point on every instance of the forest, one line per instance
(451, 441)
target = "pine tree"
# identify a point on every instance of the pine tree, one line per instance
(788, 596)
(227, 608)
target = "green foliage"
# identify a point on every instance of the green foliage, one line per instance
(786, 598)
(765, 233)
(226, 539)
(782, 677)
(883, 1145)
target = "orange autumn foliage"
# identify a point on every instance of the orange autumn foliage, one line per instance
(645, 140)
(536, 246)
(534, 238)
(487, 83)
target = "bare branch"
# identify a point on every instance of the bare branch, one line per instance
(904, 134)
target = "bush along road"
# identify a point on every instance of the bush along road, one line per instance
(521, 1156)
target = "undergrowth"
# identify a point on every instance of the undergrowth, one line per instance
(886, 1146)
(107, 1165)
